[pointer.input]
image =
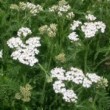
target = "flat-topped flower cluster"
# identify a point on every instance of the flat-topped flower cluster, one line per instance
(48, 30)
(24, 93)
(76, 76)
(62, 8)
(27, 6)
(90, 28)
(25, 51)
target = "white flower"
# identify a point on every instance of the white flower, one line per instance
(93, 77)
(22, 5)
(15, 42)
(35, 10)
(59, 87)
(25, 52)
(1, 53)
(89, 29)
(69, 76)
(64, 8)
(61, 8)
(90, 17)
(58, 73)
(73, 36)
(75, 76)
(24, 31)
(86, 83)
(100, 26)
(53, 27)
(70, 15)
(25, 56)
(75, 25)
(32, 8)
(33, 42)
(70, 96)
(78, 75)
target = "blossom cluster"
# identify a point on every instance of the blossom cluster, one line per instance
(62, 8)
(24, 50)
(24, 32)
(30, 7)
(74, 75)
(103, 83)
(49, 30)
(24, 94)
(60, 57)
(90, 28)
(68, 94)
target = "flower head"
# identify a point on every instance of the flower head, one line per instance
(24, 52)
(24, 31)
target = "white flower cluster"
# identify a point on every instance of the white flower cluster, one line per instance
(68, 95)
(1, 53)
(49, 30)
(61, 8)
(90, 17)
(74, 75)
(24, 32)
(32, 8)
(89, 28)
(73, 36)
(24, 52)
(70, 15)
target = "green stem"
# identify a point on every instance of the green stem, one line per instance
(44, 86)
(43, 93)
(51, 52)
(42, 68)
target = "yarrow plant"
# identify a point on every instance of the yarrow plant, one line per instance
(90, 28)
(27, 6)
(24, 31)
(54, 55)
(24, 94)
(77, 77)
(62, 8)
(49, 30)
(61, 58)
(24, 52)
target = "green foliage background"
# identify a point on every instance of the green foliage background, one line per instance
(93, 56)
